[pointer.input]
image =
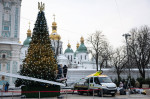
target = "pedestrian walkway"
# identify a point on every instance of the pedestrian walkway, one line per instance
(75, 96)
(10, 93)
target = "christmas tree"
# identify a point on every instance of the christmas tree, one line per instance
(40, 61)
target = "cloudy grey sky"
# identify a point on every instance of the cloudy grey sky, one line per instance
(76, 18)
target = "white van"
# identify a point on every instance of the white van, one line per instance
(101, 84)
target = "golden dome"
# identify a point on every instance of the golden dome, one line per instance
(29, 33)
(54, 31)
(69, 45)
(77, 45)
(54, 36)
(82, 40)
(54, 23)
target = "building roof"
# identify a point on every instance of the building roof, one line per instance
(68, 50)
(82, 48)
(27, 41)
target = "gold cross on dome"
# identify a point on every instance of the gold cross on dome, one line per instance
(29, 24)
(54, 17)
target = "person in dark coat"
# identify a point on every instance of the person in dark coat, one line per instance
(59, 75)
(6, 87)
(123, 90)
(65, 69)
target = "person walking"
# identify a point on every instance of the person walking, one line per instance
(3, 87)
(65, 69)
(59, 75)
(121, 85)
(6, 87)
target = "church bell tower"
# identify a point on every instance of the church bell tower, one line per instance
(9, 38)
(10, 20)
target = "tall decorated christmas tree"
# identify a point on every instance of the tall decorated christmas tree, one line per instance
(40, 61)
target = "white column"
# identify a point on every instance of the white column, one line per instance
(12, 20)
(1, 10)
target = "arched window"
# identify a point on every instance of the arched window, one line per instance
(71, 58)
(3, 56)
(85, 57)
(54, 44)
(68, 57)
(81, 57)
(60, 50)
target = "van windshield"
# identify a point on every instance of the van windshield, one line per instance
(105, 80)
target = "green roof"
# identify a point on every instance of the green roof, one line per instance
(68, 50)
(82, 48)
(27, 41)
(75, 53)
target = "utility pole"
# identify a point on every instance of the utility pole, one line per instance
(126, 35)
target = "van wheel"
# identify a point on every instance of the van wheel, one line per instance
(90, 92)
(113, 95)
(80, 92)
(100, 93)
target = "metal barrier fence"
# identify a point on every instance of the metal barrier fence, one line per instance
(66, 92)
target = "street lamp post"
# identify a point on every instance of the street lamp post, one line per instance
(126, 35)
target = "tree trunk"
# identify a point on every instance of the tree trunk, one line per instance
(118, 76)
(101, 64)
(142, 71)
(97, 61)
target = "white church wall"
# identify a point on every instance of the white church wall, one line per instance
(13, 20)
(10, 21)
(82, 56)
(1, 7)
(24, 51)
(9, 37)
(70, 56)
(11, 62)
(55, 45)
(62, 60)
(89, 65)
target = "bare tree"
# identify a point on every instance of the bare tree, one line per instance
(98, 47)
(139, 48)
(105, 55)
(119, 60)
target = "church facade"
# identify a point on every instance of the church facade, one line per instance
(78, 59)
(9, 38)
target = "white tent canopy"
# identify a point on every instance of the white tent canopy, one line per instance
(30, 78)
